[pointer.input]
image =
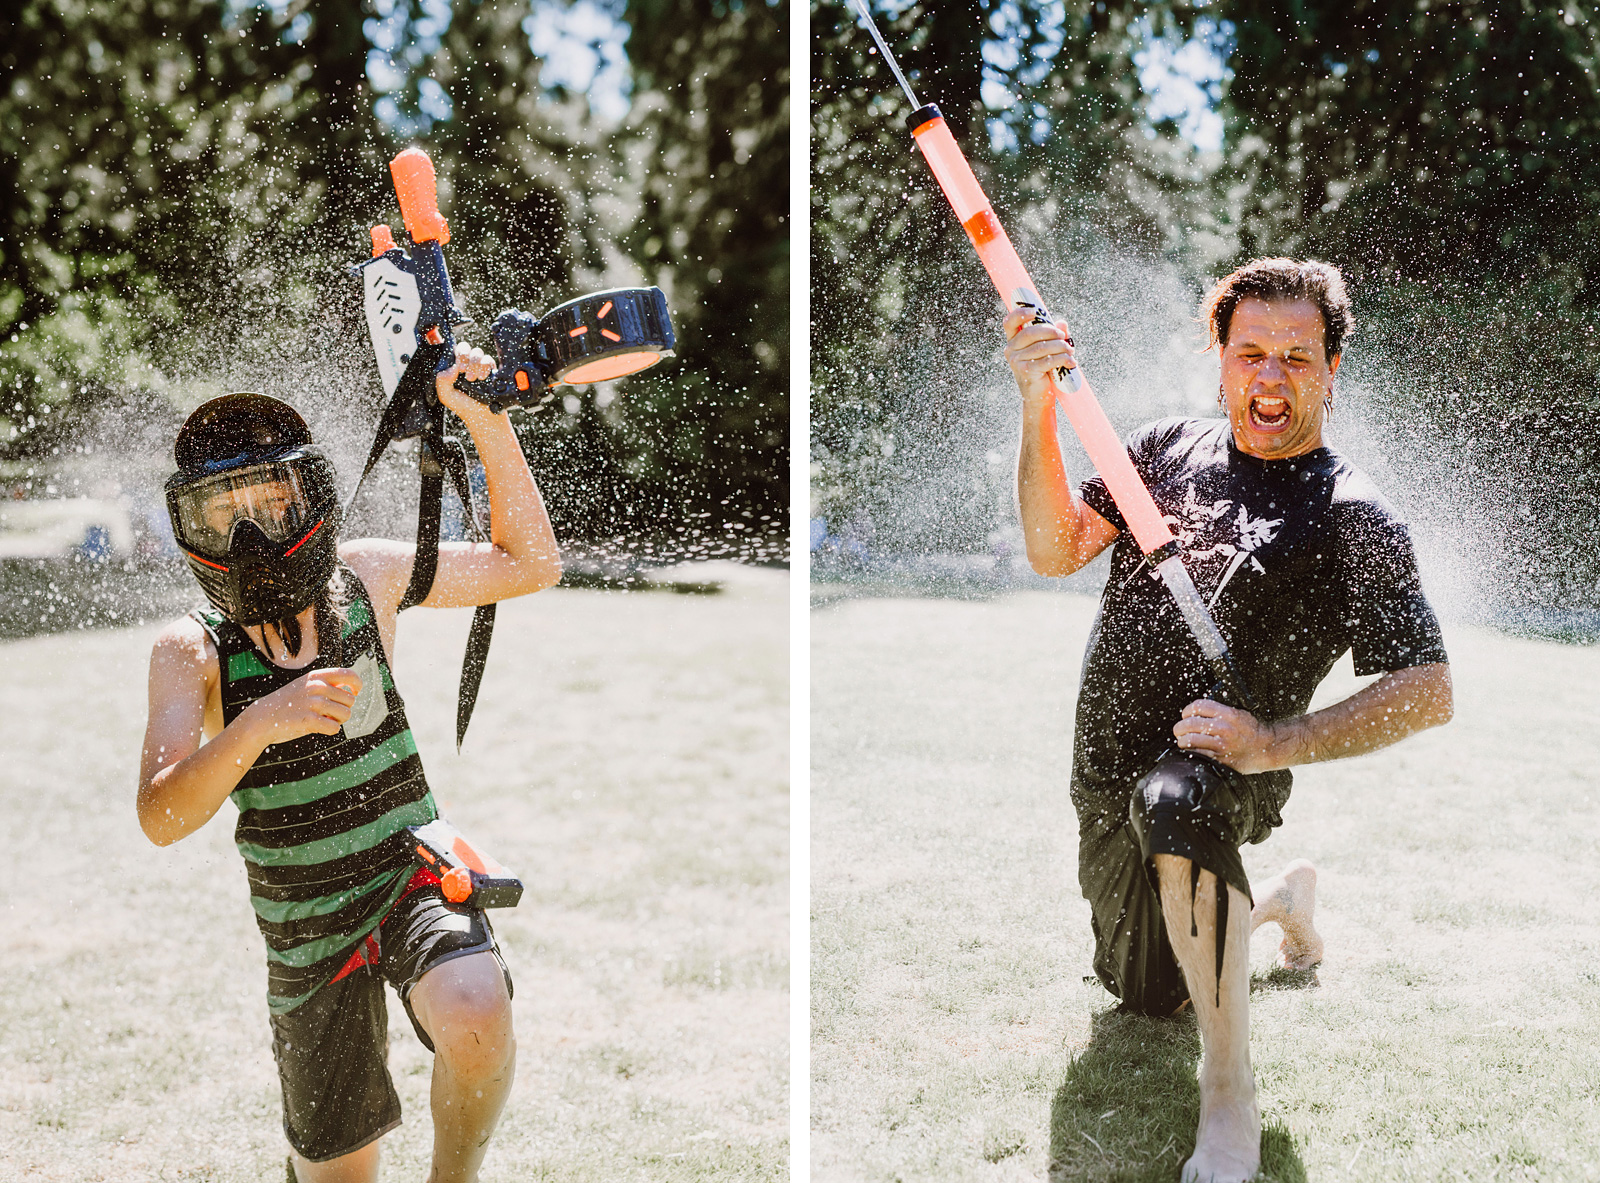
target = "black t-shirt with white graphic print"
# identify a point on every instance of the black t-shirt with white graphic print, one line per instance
(1298, 559)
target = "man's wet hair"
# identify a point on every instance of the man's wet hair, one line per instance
(1283, 279)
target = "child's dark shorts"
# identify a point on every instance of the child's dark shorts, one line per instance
(332, 1049)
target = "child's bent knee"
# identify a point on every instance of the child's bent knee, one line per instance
(466, 1010)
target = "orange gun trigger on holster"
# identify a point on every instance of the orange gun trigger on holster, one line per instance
(467, 874)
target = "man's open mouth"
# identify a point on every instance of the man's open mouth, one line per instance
(1269, 413)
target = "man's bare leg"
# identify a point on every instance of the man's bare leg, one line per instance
(464, 1008)
(1228, 1142)
(359, 1166)
(1288, 901)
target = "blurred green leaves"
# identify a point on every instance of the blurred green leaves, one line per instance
(1446, 155)
(711, 116)
(189, 170)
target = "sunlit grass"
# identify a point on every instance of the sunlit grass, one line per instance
(1449, 1034)
(628, 760)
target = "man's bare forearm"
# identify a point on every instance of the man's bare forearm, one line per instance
(1052, 521)
(1398, 704)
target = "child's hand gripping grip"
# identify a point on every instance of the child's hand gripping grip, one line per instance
(418, 190)
(519, 378)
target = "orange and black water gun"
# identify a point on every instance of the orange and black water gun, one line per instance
(467, 873)
(412, 315)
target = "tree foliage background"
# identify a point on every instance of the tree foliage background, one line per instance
(1444, 154)
(186, 182)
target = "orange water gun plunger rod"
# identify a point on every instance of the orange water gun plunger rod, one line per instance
(1094, 430)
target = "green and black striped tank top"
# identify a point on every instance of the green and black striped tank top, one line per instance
(322, 818)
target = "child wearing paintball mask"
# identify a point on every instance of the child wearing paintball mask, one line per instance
(279, 695)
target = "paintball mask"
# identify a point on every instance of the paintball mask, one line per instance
(255, 508)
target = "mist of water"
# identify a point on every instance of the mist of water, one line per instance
(293, 328)
(938, 485)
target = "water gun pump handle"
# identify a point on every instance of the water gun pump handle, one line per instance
(418, 190)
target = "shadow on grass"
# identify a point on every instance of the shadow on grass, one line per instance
(1127, 1110)
(1284, 979)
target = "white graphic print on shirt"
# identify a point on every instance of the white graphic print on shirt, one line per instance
(1195, 521)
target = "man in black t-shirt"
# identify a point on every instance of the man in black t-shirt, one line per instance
(1299, 559)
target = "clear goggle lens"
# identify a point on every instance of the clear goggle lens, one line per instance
(273, 496)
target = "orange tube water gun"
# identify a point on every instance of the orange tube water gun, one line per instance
(1094, 430)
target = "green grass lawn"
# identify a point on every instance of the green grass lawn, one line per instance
(629, 759)
(1453, 1031)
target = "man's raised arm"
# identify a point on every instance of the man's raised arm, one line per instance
(1061, 532)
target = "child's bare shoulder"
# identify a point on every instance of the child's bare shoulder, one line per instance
(182, 636)
(383, 566)
(182, 648)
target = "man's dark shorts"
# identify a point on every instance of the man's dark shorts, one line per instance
(332, 1049)
(1186, 805)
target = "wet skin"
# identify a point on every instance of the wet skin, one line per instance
(182, 783)
(1275, 375)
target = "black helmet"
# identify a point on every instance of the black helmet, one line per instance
(255, 508)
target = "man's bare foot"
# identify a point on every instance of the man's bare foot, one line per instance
(1288, 901)
(1228, 1145)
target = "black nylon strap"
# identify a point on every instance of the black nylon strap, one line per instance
(410, 410)
(455, 463)
(430, 503)
(436, 455)
(1194, 887)
(482, 632)
(1222, 932)
(477, 656)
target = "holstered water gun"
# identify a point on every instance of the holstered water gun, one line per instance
(467, 874)
(411, 314)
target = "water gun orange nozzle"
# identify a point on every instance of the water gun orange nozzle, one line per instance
(418, 190)
(382, 240)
